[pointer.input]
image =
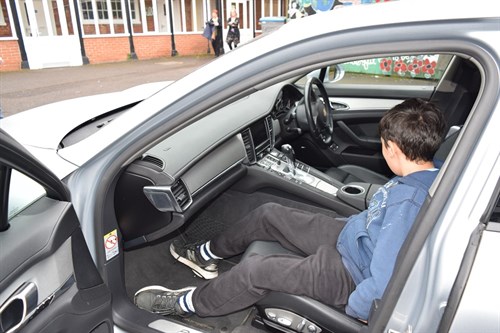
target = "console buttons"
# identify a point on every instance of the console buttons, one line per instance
(301, 325)
(284, 321)
(292, 321)
(312, 328)
(334, 146)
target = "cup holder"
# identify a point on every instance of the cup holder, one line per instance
(352, 189)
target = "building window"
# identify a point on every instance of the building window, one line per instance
(102, 10)
(116, 9)
(88, 12)
(133, 14)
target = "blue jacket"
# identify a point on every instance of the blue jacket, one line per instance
(371, 240)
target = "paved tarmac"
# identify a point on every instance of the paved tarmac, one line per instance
(26, 89)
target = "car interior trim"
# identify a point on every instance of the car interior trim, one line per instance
(45, 279)
(216, 163)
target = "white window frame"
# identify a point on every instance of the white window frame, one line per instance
(133, 4)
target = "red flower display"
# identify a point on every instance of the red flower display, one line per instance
(400, 67)
(415, 67)
(428, 67)
(385, 65)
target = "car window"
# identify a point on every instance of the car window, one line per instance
(411, 70)
(23, 191)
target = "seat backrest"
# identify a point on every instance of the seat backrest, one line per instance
(445, 148)
(457, 91)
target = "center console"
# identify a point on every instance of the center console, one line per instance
(357, 195)
(276, 162)
(298, 176)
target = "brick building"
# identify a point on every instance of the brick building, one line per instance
(53, 33)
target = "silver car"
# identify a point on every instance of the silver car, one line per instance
(91, 204)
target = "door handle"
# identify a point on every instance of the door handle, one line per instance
(18, 308)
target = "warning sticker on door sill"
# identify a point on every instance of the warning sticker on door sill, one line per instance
(111, 245)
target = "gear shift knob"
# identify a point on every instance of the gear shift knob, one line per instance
(287, 150)
(289, 154)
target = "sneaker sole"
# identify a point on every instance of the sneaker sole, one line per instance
(162, 289)
(197, 270)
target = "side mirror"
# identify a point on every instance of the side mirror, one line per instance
(335, 73)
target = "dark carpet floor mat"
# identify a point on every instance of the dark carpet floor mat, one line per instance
(153, 264)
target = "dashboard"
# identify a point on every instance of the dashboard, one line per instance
(173, 179)
(182, 173)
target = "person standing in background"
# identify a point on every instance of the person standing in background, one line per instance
(216, 37)
(294, 11)
(233, 35)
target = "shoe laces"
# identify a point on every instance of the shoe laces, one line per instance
(165, 303)
(193, 251)
(193, 246)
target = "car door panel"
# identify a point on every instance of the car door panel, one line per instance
(69, 293)
(356, 139)
(48, 280)
(42, 239)
(362, 133)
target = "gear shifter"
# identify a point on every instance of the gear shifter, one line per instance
(289, 154)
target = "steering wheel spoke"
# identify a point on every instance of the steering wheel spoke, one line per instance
(318, 112)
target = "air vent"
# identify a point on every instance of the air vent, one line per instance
(249, 148)
(154, 160)
(269, 121)
(270, 129)
(181, 195)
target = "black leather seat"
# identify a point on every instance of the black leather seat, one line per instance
(352, 173)
(298, 313)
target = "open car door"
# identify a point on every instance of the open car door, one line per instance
(48, 280)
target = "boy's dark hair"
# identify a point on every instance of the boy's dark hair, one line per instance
(416, 126)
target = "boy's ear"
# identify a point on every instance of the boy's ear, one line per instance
(394, 149)
(391, 147)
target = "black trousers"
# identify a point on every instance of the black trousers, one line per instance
(216, 45)
(320, 275)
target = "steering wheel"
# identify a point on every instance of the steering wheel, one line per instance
(318, 112)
